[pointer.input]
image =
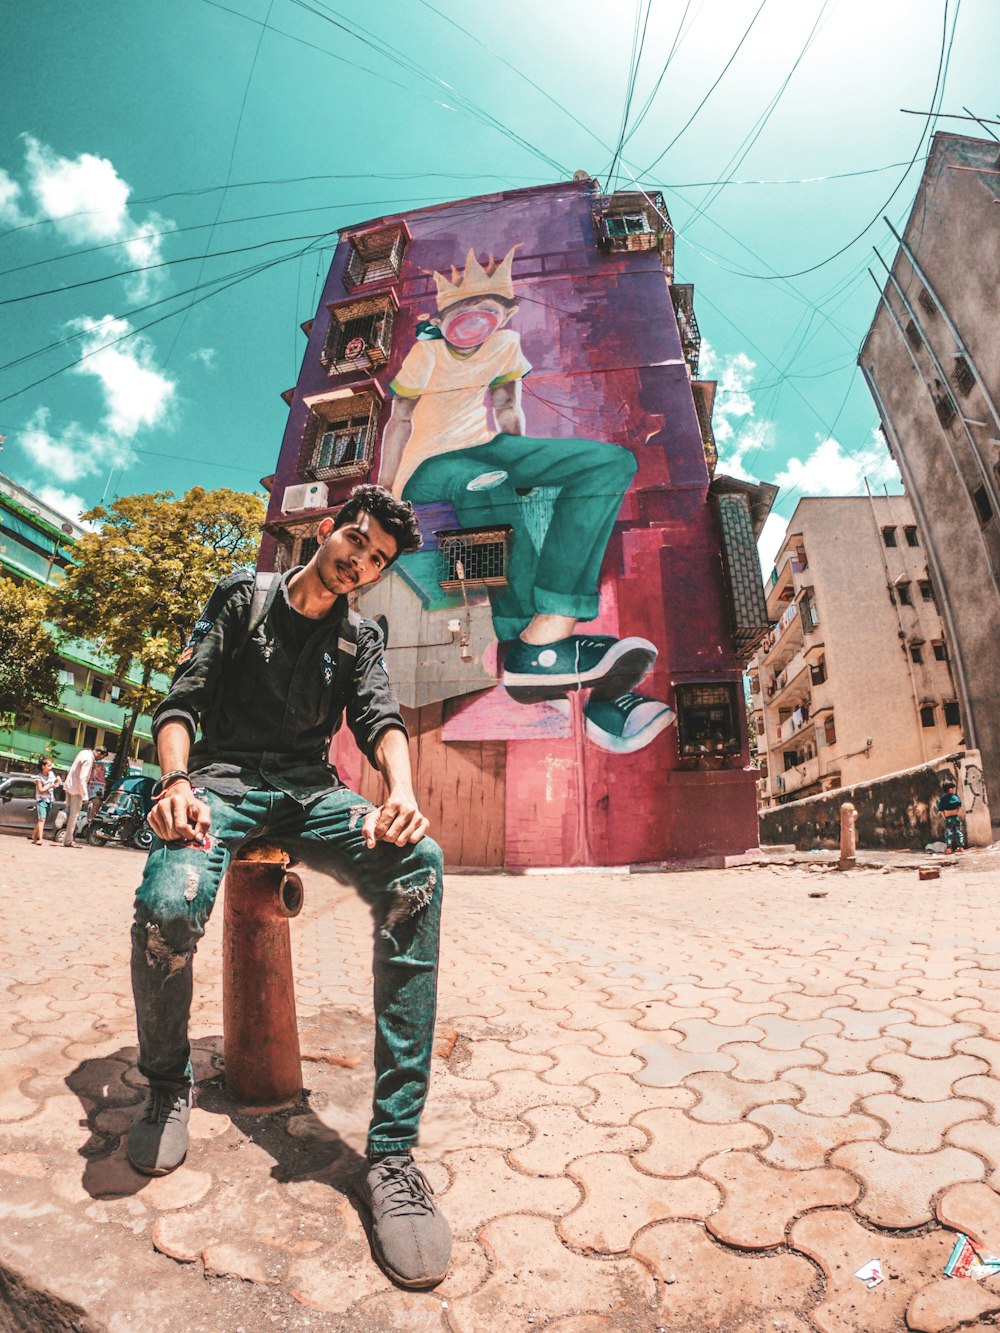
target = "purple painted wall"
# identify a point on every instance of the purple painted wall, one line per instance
(600, 333)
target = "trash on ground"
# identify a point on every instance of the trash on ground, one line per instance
(969, 1260)
(871, 1274)
(938, 847)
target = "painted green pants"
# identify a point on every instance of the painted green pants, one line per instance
(561, 576)
(403, 886)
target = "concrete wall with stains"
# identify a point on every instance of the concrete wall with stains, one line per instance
(896, 811)
(607, 365)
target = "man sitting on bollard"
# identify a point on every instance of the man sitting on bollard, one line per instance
(269, 671)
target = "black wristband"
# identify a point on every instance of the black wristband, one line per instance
(168, 779)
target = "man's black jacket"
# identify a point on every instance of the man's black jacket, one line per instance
(268, 705)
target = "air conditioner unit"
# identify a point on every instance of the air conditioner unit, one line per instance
(310, 495)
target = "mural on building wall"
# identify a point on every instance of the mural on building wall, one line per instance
(457, 436)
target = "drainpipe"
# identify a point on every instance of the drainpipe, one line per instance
(994, 573)
(944, 608)
(984, 471)
(959, 342)
(899, 621)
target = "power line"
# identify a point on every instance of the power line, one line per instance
(638, 45)
(939, 84)
(718, 80)
(675, 46)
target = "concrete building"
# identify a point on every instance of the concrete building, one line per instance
(932, 363)
(524, 368)
(36, 545)
(855, 679)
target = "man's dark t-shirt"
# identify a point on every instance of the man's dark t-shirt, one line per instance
(268, 705)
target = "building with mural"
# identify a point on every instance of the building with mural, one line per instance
(567, 644)
(36, 545)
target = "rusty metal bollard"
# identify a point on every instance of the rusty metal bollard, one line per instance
(848, 836)
(261, 1036)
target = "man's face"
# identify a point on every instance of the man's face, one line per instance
(353, 556)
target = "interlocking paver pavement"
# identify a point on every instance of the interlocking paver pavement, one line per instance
(696, 1102)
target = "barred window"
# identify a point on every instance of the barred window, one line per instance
(360, 335)
(963, 376)
(707, 720)
(889, 536)
(913, 334)
(927, 302)
(339, 437)
(910, 533)
(952, 716)
(945, 409)
(375, 256)
(474, 555)
(305, 549)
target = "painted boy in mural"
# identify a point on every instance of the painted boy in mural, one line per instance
(439, 446)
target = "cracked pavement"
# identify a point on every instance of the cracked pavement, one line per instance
(690, 1102)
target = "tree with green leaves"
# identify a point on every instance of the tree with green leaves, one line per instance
(29, 663)
(143, 574)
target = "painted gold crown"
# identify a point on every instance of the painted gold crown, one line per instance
(493, 279)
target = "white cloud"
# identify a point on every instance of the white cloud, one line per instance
(63, 502)
(206, 355)
(830, 470)
(136, 394)
(10, 211)
(769, 542)
(739, 434)
(87, 202)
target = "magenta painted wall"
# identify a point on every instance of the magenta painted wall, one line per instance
(600, 333)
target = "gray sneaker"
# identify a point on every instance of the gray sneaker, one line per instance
(158, 1140)
(410, 1236)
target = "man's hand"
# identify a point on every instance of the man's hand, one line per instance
(178, 815)
(398, 820)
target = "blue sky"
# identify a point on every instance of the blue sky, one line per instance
(161, 132)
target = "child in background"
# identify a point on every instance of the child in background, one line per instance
(950, 805)
(45, 786)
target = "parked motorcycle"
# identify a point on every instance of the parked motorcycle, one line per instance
(122, 820)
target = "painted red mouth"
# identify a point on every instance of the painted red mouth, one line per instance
(470, 328)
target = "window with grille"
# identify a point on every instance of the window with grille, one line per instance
(945, 410)
(903, 591)
(305, 549)
(375, 256)
(913, 334)
(916, 653)
(927, 302)
(910, 533)
(940, 652)
(818, 672)
(889, 536)
(339, 438)
(707, 720)
(952, 717)
(926, 590)
(927, 715)
(982, 502)
(474, 555)
(627, 224)
(360, 335)
(963, 376)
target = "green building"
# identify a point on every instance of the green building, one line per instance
(36, 545)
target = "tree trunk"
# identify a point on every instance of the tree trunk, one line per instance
(119, 768)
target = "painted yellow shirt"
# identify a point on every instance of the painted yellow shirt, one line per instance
(451, 413)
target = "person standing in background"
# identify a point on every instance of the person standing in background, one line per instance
(45, 786)
(95, 786)
(77, 786)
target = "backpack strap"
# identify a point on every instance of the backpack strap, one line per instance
(265, 589)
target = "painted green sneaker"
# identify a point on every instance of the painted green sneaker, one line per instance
(625, 724)
(411, 1238)
(608, 666)
(157, 1143)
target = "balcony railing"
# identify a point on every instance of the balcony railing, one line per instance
(788, 675)
(792, 725)
(793, 779)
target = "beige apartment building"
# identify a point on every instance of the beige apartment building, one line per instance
(854, 680)
(932, 362)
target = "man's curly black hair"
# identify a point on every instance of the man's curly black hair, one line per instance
(396, 516)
